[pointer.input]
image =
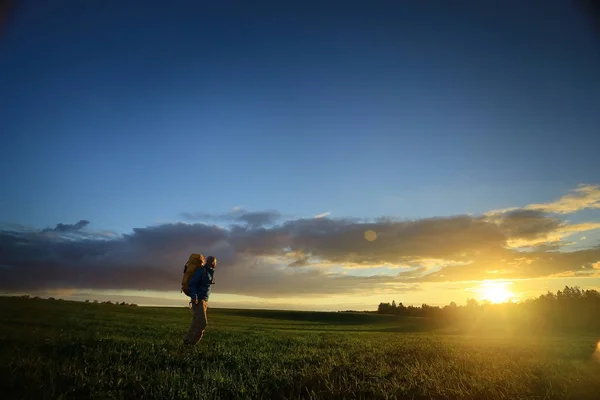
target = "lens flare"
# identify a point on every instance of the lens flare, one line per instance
(370, 235)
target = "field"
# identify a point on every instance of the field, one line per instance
(68, 350)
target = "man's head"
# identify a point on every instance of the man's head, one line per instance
(211, 261)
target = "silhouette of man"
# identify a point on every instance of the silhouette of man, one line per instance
(199, 292)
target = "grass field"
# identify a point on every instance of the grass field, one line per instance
(67, 350)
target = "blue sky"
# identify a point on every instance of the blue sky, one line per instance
(129, 113)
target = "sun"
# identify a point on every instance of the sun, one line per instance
(496, 292)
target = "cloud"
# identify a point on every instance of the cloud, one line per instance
(585, 196)
(323, 215)
(527, 224)
(238, 215)
(66, 228)
(260, 257)
(538, 224)
(258, 219)
(302, 262)
(581, 198)
(152, 259)
(554, 238)
(519, 265)
(343, 241)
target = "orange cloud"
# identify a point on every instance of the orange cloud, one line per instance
(584, 197)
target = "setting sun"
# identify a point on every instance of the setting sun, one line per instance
(496, 292)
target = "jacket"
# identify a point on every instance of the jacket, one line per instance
(200, 283)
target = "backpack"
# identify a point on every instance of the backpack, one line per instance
(193, 263)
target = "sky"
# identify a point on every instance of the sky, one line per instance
(273, 135)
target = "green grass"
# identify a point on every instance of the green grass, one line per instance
(68, 350)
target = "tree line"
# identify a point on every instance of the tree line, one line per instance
(26, 296)
(570, 309)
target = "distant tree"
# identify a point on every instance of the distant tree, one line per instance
(95, 301)
(394, 303)
(429, 311)
(384, 308)
(37, 298)
(133, 305)
(472, 303)
(571, 309)
(122, 303)
(87, 301)
(51, 298)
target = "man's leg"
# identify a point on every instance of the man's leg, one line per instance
(190, 333)
(199, 323)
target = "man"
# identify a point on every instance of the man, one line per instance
(199, 291)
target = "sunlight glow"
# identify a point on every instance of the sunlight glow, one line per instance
(496, 292)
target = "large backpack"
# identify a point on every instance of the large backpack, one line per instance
(193, 263)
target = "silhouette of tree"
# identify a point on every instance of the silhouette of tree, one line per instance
(570, 309)
(472, 303)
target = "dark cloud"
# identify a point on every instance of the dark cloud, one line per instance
(537, 226)
(538, 264)
(343, 241)
(528, 224)
(66, 228)
(255, 259)
(301, 262)
(149, 258)
(258, 219)
(258, 278)
(152, 259)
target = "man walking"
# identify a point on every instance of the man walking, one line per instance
(199, 291)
